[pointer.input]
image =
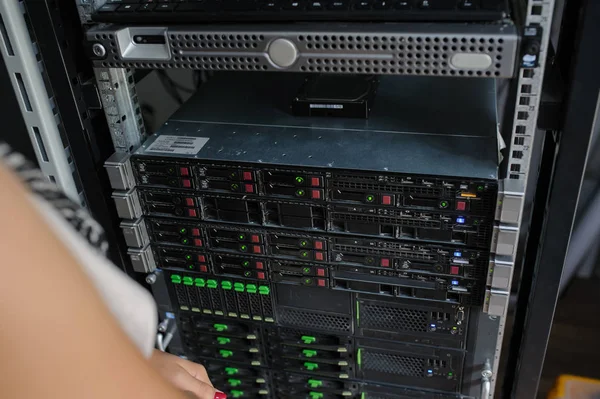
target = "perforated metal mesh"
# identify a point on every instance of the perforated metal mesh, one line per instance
(392, 319)
(309, 320)
(393, 364)
(360, 49)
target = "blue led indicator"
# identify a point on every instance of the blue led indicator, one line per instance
(429, 371)
(460, 220)
(432, 325)
(170, 315)
(454, 282)
(458, 254)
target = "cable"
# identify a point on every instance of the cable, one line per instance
(159, 342)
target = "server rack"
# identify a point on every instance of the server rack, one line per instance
(27, 49)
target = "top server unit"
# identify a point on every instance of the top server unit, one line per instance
(320, 257)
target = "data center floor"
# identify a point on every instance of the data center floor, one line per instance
(575, 318)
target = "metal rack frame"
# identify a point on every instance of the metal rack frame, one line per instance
(114, 90)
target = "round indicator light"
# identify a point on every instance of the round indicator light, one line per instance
(171, 170)
(183, 230)
(235, 186)
(247, 274)
(307, 281)
(306, 270)
(444, 204)
(300, 193)
(304, 254)
(370, 198)
(299, 179)
(242, 237)
(244, 248)
(191, 267)
(233, 175)
(185, 241)
(245, 263)
(188, 257)
(303, 243)
(480, 188)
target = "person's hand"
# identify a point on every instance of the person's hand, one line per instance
(185, 375)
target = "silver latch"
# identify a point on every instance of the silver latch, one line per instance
(142, 260)
(128, 204)
(135, 233)
(120, 172)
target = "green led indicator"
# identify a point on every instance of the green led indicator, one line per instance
(220, 327)
(303, 243)
(225, 353)
(171, 170)
(450, 374)
(300, 193)
(264, 290)
(309, 352)
(239, 287)
(307, 281)
(475, 222)
(480, 188)
(223, 340)
(233, 175)
(246, 263)
(237, 394)
(370, 198)
(234, 383)
(311, 366)
(444, 204)
(306, 270)
(191, 266)
(247, 273)
(212, 284)
(188, 281)
(304, 254)
(316, 395)
(299, 179)
(226, 285)
(175, 278)
(241, 237)
(231, 370)
(200, 282)
(243, 248)
(307, 339)
(251, 288)
(235, 186)
(188, 257)
(315, 383)
(183, 230)
(185, 241)
(359, 357)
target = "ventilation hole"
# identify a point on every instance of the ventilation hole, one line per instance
(23, 90)
(40, 144)
(52, 179)
(519, 141)
(528, 73)
(536, 10)
(517, 154)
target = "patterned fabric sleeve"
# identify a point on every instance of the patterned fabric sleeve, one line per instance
(77, 216)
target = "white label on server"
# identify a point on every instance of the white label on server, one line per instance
(327, 106)
(177, 144)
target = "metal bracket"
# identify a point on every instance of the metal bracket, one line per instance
(142, 260)
(128, 204)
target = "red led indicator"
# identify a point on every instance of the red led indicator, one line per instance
(195, 232)
(187, 183)
(247, 176)
(201, 258)
(260, 266)
(197, 242)
(203, 268)
(461, 205)
(192, 213)
(454, 270)
(257, 249)
(315, 181)
(319, 256)
(249, 188)
(321, 282)
(316, 194)
(189, 202)
(385, 262)
(386, 200)
(184, 171)
(321, 272)
(318, 244)
(260, 275)
(255, 238)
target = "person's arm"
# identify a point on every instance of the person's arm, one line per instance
(57, 339)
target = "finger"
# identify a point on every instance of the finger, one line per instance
(195, 370)
(187, 383)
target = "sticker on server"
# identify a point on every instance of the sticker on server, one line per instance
(327, 106)
(177, 144)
